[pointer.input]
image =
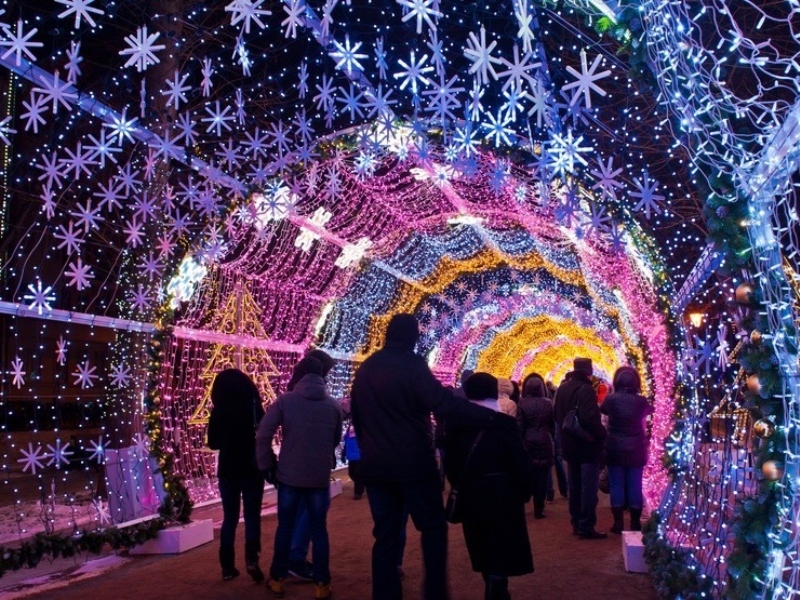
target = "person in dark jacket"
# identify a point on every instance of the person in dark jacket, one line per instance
(626, 446)
(232, 428)
(493, 475)
(584, 457)
(536, 420)
(312, 428)
(299, 566)
(393, 394)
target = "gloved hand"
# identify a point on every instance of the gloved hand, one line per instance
(271, 475)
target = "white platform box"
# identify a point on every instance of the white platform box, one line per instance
(633, 552)
(175, 540)
(336, 487)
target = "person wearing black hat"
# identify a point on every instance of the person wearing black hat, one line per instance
(584, 456)
(493, 475)
(232, 427)
(393, 394)
(312, 428)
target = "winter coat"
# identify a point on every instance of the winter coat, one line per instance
(393, 394)
(536, 420)
(312, 429)
(493, 489)
(578, 387)
(232, 430)
(626, 445)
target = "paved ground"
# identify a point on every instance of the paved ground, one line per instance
(566, 568)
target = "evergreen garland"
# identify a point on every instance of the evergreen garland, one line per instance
(61, 545)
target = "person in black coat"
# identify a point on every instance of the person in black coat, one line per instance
(493, 483)
(536, 421)
(584, 457)
(393, 394)
(232, 429)
(626, 446)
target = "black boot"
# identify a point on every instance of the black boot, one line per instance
(618, 525)
(496, 588)
(636, 519)
(251, 551)
(227, 559)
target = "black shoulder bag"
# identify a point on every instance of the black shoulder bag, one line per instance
(572, 425)
(452, 510)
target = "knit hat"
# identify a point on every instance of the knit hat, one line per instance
(305, 366)
(583, 365)
(480, 386)
(324, 358)
(403, 330)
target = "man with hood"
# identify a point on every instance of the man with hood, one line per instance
(312, 428)
(584, 456)
(393, 395)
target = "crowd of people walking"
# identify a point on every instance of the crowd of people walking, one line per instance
(498, 444)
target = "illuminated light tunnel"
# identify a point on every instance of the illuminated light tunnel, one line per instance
(192, 185)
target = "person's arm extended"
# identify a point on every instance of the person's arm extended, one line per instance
(265, 457)
(444, 404)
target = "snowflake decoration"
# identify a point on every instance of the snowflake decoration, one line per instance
(422, 11)
(33, 118)
(61, 350)
(17, 373)
(218, 119)
(142, 48)
(607, 181)
(53, 89)
(414, 72)
(19, 43)
(122, 127)
(586, 80)
(306, 237)
(353, 253)
(567, 151)
(120, 375)
(32, 459)
(348, 56)
(646, 192)
(81, 9)
(176, 90)
(98, 450)
(524, 19)
(103, 513)
(40, 297)
(84, 374)
(295, 12)
(481, 56)
(79, 275)
(141, 445)
(59, 454)
(247, 11)
(497, 129)
(74, 60)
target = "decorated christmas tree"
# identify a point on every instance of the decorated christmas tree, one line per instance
(238, 316)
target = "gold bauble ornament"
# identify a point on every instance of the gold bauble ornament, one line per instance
(754, 384)
(745, 293)
(756, 337)
(772, 470)
(764, 428)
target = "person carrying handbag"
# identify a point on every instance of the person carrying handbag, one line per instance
(583, 453)
(492, 473)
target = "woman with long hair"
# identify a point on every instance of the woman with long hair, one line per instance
(536, 420)
(232, 430)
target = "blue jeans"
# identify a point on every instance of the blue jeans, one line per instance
(388, 502)
(301, 537)
(250, 490)
(317, 501)
(584, 479)
(626, 484)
